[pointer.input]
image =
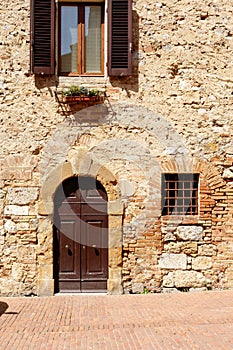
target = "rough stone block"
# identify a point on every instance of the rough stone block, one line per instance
(169, 237)
(21, 195)
(1, 207)
(45, 207)
(115, 287)
(172, 247)
(45, 287)
(115, 257)
(189, 248)
(190, 233)
(207, 249)
(115, 208)
(17, 271)
(10, 226)
(169, 280)
(127, 188)
(2, 231)
(115, 238)
(137, 288)
(173, 261)
(66, 170)
(200, 289)
(2, 194)
(23, 226)
(16, 210)
(27, 253)
(228, 173)
(189, 279)
(201, 263)
(115, 273)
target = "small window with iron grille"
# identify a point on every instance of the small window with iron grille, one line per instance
(180, 194)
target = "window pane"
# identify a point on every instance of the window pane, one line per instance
(69, 38)
(93, 39)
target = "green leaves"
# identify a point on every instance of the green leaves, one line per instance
(80, 91)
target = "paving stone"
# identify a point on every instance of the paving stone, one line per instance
(200, 320)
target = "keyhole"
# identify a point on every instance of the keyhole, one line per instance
(97, 253)
(69, 252)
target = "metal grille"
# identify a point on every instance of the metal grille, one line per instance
(180, 194)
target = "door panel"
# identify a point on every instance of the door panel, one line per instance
(69, 257)
(94, 254)
(94, 208)
(82, 233)
(69, 206)
(67, 248)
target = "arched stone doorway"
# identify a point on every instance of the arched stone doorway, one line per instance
(80, 236)
(46, 271)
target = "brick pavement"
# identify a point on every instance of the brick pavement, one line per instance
(200, 320)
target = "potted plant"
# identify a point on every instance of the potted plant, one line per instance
(93, 94)
(84, 93)
(72, 94)
(76, 93)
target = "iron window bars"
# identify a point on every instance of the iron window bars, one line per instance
(180, 194)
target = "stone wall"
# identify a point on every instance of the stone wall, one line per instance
(173, 114)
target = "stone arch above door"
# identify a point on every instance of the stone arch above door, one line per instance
(45, 233)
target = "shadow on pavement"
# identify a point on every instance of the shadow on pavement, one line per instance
(4, 307)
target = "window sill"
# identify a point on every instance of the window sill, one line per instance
(184, 219)
(79, 80)
(98, 83)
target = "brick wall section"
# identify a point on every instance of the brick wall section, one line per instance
(182, 57)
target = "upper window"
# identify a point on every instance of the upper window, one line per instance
(81, 44)
(81, 39)
(180, 194)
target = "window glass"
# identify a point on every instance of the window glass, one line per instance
(69, 38)
(81, 39)
(93, 39)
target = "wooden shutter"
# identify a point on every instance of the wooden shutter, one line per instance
(42, 36)
(119, 37)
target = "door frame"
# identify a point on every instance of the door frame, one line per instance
(115, 210)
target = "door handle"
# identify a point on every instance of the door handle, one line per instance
(66, 246)
(84, 247)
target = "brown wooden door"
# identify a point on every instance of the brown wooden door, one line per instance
(81, 236)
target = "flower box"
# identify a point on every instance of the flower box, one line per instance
(78, 94)
(71, 99)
